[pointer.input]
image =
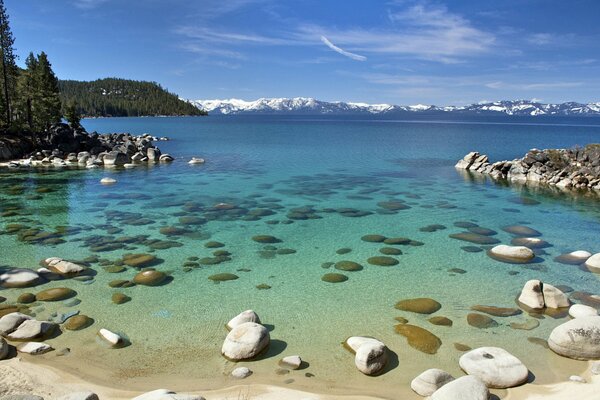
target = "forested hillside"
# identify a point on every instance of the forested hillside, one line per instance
(114, 97)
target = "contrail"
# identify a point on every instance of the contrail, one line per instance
(342, 51)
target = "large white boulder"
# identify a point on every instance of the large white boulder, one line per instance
(554, 297)
(164, 394)
(245, 341)
(11, 322)
(494, 366)
(243, 317)
(511, 254)
(370, 354)
(593, 263)
(581, 310)
(532, 295)
(34, 348)
(578, 339)
(463, 388)
(19, 278)
(63, 267)
(429, 381)
(32, 329)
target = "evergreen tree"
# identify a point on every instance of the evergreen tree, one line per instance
(26, 89)
(9, 72)
(73, 116)
(46, 101)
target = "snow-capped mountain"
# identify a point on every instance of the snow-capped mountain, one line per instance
(308, 106)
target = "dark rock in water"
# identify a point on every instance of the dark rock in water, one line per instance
(334, 278)
(390, 251)
(472, 249)
(528, 325)
(266, 239)
(532, 243)
(465, 224)
(481, 321)
(343, 251)
(419, 338)
(139, 260)
(78, 322)
(285, 251)
(213, 245)
(457, 271)
(497, 311)
(191, 220)
(120, 283)
(120, 298)
(326, 265)
(461, 347)
(173, 231)
(348, 266)
(401, 320)
(442, 321)
(164, 244)
(422, 305)
(149, 277)
(263, 286)
(397, 241)
(393, 205)
(373, 238)
(482, 231)
(115, 269)
(474, 238)
(432, 228)
(26, 298)
(526, 201)
(55, 294)
(383, 261)
(521, 230)
(223, 277)
(539, 342)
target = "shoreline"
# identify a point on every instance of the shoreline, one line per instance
(20, 375)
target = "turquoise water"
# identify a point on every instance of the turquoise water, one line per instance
(317, 186)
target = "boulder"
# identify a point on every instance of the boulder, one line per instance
(108, 181)
(80, 396)
(115, 158)
(34, 348)
(553, 297)
(4, 349)
(10, 322)
(581, 310)
(55, 294)
(593, 263)
(532, 295)
(112, 338)
(494, 366)
(149, 278)
(429, 381)
(242, 318)
(290, 362)
(196, 161)
(245, 341)
(511, 254)
(578, 339)
(19, 278)
(574, 257)
(241, 373)
(63, 267)
(153, 154)
(463, 388)
(419, 305)
(370, 354)
(164, 394)
(31, 329)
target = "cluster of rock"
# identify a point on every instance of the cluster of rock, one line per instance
(63, 146)
(577, 168)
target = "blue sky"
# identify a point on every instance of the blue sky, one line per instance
(401, 52)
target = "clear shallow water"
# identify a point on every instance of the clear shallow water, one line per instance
(333, 171)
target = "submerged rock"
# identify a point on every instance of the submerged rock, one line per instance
(511, 254)
(497, 311)
(419, 305)
(494, 366)
(55, 294)
(112, 338)
(474, 238)
(578, 339)
(150, 278)
(419, 338)
(348, 266)
(225, 276)
(334, 278)
(383, 261)
(139, 260)
(441, 321)
(78, 322)
(429, 381)
(481, 321)
(266, 239)
(291, 362)
(521, 230)
(241, 373)
(574, 257)
(245, 341)
(373, 238)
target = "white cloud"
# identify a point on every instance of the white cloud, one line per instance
(225, 37)
(342, 51)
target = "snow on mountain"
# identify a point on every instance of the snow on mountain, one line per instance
(308, 105)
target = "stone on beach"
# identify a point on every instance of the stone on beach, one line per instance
(532, 295)
(242, 318)
(241, 373)
(370, 354)
(10, 322)
(291, 362)
(112, 338)
(245, 341)
(494, 366)
(463, 388)
(34, 348)
(19, 278)
(164, 394)
(578, 339)
(511, 254)
(429, 381)
(593, 263)
(581, 310)
(31, 329)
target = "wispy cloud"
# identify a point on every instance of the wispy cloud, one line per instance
(342, 51)
(88, 4)
(228, 37)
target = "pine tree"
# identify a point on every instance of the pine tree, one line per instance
(73, 116)
(26, 89)
(46, 101)
(8, 65)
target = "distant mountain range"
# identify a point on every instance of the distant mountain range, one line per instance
(310, 106)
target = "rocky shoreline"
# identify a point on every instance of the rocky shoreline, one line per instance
(576, 168)
(64, 146)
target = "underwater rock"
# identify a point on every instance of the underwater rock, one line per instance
(390, 251)
(213, 245)
(245, 341)
(78, 322)
(266, 239)
(343, 251)
(474, 238)
(511, 254)
(441, 321)
(291, 362)
(574, 257)
(373, 238)
(383, 261)
(481, 321)
(26, 298)
(149, 278)
(532, 243)
(528, 325)
(139, 260)
(112, 338)
(397, 241)
(496, 367)
(348, 266)
(334, 278)
(497, 311)
(263, 286)
(120, 298)
(241, 373)
(56, 294)
(421, 305)
(419, 338)
(521, 230)
(222, 277)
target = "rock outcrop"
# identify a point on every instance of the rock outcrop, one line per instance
(577, 168)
